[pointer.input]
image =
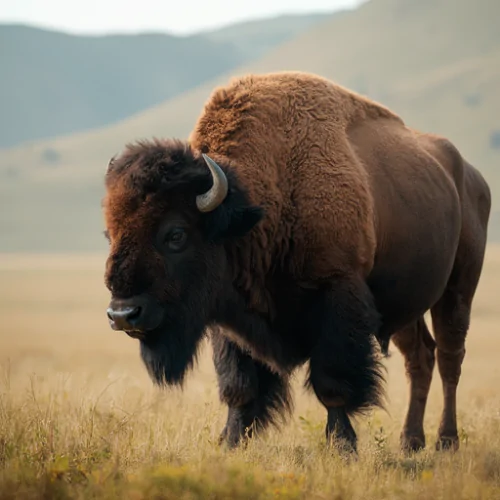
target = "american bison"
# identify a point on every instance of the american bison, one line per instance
(300, 223)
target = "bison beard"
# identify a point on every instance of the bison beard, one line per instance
(169, 355)
(171, 351)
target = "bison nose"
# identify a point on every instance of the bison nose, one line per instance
(124, 318)
(137, 316)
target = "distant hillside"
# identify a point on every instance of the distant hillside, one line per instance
(55, 84)
(437, 63)
(255, 38)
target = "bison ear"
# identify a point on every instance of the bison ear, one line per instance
(233, 222)
(243, 220)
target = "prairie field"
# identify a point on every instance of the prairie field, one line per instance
(79, 417)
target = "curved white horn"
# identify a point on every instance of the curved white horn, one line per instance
(210, 200)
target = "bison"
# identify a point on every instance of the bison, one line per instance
(300, 223)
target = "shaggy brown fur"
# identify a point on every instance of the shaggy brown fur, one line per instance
(367, 224)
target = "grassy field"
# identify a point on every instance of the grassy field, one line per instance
(79, 417)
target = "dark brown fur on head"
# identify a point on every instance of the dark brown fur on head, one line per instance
(151, 188)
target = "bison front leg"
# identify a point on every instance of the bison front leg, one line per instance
(344, 371)
(255, 396)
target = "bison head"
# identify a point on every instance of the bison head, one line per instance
(170, 213)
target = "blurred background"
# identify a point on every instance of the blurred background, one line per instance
(80, 79)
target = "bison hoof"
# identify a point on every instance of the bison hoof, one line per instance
(447, 443)
(232, 438)
(412, 444)
(346, 448)
(228, 439)
(222, 437)
(344, 443)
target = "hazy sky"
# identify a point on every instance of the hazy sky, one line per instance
(175, 16)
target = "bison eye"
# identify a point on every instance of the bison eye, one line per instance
(176, 239)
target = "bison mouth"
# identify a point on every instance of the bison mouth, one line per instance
(170, 352)
(136, 334)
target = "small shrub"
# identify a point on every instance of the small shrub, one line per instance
(472, 100)
(50, 156)
(10, 172)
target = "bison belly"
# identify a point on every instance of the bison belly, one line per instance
(411, 274)
(419, 220)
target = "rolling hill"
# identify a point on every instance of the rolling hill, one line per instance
(437, 63)
(255, 38)
(55, 83)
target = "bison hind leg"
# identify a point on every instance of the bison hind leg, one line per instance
(451, 320)
(417, 347)
(451, 316)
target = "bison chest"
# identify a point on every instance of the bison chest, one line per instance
(291, 321)
(282, 339)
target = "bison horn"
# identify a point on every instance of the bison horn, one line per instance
(110, 163)
(210, 200)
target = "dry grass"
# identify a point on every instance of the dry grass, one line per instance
(79, 417)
